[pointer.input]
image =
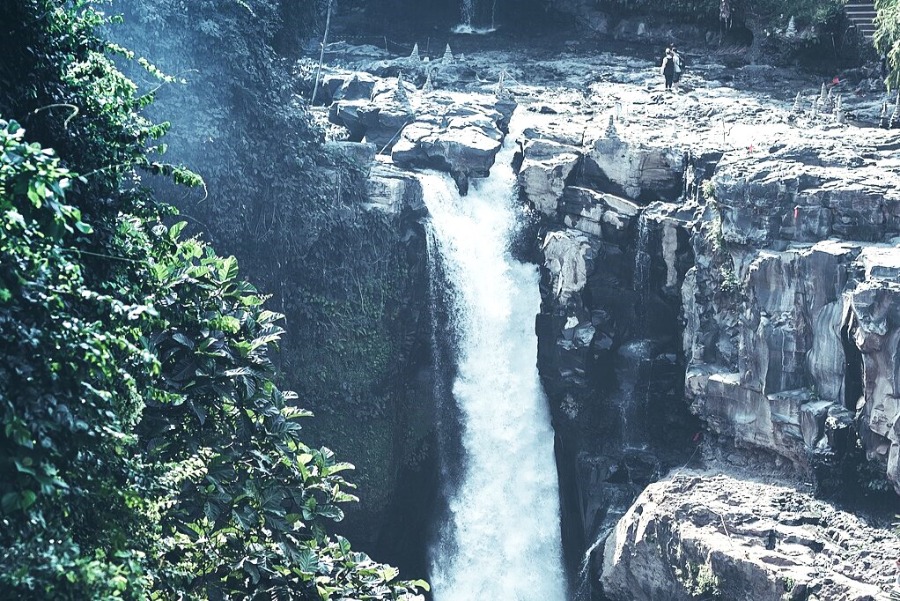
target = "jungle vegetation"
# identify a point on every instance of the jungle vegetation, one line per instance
(146, 451)
(887, 37)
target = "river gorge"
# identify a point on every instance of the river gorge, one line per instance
(645, 343)
(714, 267)
(450, 300)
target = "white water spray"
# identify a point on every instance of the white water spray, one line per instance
(501, 541)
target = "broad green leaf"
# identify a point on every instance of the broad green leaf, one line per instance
(183, 340)
(307, 562)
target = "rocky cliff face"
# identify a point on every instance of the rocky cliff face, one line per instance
(770, 256)
(798, 359)
(720, 273)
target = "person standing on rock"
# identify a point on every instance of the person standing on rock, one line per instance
(676, 61)
(667, 68)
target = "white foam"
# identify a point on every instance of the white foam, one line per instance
(502, 539)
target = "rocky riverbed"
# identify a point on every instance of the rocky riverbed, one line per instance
(721, 286)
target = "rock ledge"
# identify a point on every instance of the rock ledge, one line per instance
(703, 535)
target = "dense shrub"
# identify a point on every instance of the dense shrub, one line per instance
(735, 11)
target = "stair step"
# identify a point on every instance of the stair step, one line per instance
(862, 15)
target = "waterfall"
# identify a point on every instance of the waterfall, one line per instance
(641, 275)
(468, 12)
(501, 536)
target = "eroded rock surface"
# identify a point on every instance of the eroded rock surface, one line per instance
(716, 247)
(422, 127)
(700, 535)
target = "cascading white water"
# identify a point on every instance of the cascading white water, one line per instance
(467, 10)
(501, 540)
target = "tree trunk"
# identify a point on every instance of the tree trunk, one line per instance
(312, 99)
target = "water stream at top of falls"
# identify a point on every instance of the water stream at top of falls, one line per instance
(467, 8)
(467, 13)
(501, 538)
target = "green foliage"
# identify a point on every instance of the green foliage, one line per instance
(762, 11)
(146, 452)
(706, 583)
(67, 396)
(700, 581)
(805, 11)
(250, 499)
(887, 37)
(714, 235)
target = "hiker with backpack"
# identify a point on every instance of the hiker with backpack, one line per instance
(678, 65)
(667, 68)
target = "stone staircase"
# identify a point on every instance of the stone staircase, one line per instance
(862, 16)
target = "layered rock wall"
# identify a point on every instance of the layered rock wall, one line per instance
(793, 330)
(756, 282)
(719, 274)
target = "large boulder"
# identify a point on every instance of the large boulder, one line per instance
(545, 169)
(391, 190)
(637, 170)
(462, 144)
(460, 133)
(379, 119)
(567, 254)
(699, 535)
(603, 215)
(344, 85)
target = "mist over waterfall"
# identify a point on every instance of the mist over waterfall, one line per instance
(501, 537)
